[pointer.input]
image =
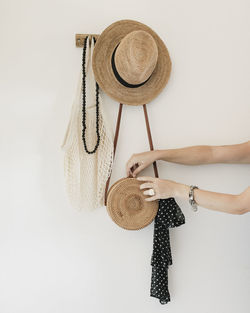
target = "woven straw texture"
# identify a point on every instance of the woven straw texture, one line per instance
(104, 74)
(127, 206)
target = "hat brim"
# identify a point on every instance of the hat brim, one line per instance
(103, 72)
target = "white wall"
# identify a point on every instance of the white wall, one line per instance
(54, 259)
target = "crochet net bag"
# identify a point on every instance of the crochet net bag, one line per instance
(86, 174)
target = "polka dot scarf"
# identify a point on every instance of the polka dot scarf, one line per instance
(169, 215)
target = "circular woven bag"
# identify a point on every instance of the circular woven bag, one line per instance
(127, 206)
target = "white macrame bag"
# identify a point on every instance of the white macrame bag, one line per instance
(86, 174)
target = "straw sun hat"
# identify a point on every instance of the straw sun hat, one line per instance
(130, 62)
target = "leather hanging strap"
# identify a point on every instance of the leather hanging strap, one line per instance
(116, 138)
(150, 138)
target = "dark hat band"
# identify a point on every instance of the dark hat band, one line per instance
(119, 78)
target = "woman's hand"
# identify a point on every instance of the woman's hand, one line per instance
(139, 161)
(227, 203)
(163, 188)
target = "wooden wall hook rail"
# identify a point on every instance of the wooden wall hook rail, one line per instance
(80, 38)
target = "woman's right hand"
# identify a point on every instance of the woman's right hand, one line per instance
(139, 161)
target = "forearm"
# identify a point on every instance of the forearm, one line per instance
(228, 203)
(204, 154)
(193, 155)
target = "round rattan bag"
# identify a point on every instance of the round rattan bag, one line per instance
(127, 206)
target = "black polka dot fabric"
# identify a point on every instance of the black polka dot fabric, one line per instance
(169, 215)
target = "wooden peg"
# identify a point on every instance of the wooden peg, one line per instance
(80, 38)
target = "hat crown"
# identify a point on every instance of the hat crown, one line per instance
(136, 57)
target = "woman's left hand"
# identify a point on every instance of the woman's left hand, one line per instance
(163, 188)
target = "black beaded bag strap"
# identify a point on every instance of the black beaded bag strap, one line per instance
(84, 102)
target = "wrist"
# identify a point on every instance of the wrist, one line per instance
(159, 154)
(181, 191)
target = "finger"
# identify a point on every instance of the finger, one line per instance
(146, 178)
(130, 174)
(147, 192)
(151, 198)
(131, 166)
(146, 185)
(128, 167)
(137, 170)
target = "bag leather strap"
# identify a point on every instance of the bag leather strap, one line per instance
(116, 138)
